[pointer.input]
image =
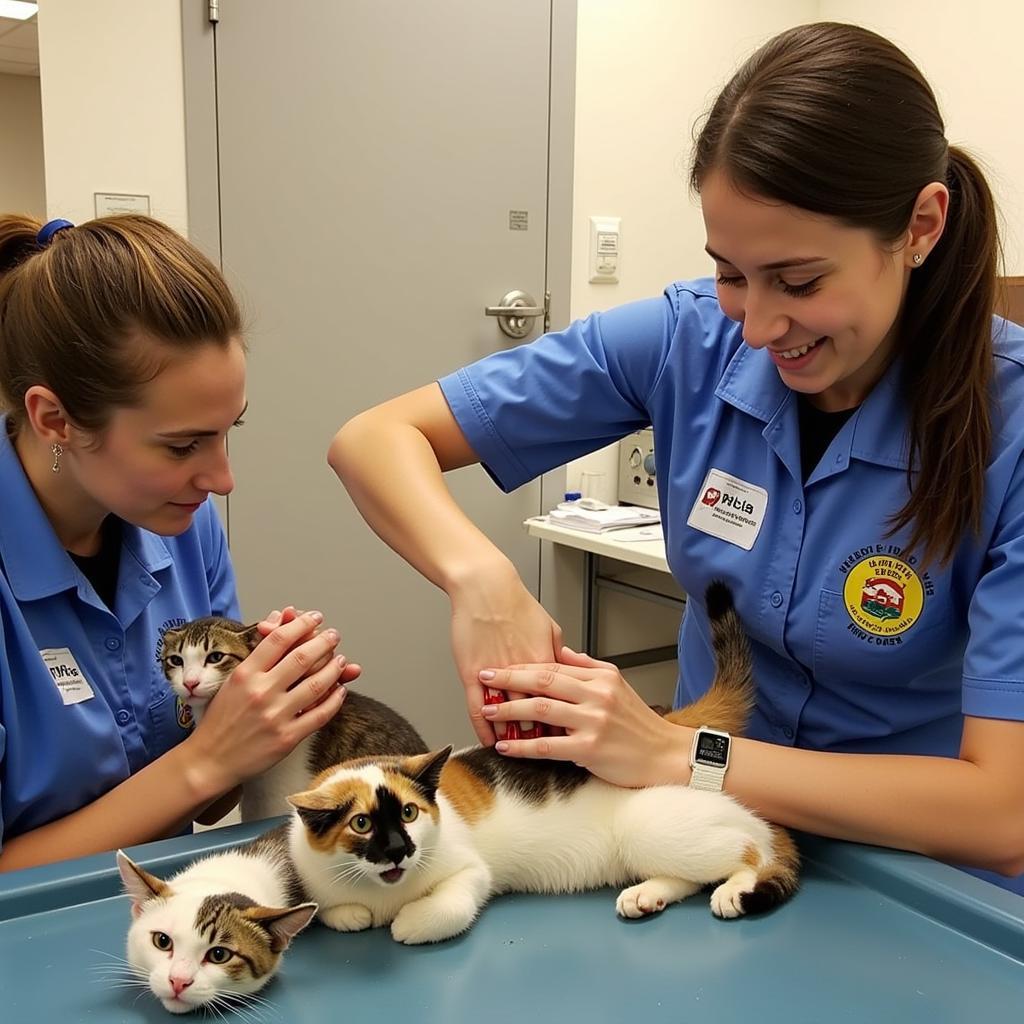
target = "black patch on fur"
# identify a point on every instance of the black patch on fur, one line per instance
(389, 843)
(718, 600)
(533, 780)
(322, 821)
(365, 726)
(237, 899)
(766, 894)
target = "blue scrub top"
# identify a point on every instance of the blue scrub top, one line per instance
(856, 647)
(83, 701)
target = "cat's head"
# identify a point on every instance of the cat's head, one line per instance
(195, 949)
(375, 818)
(199, 657)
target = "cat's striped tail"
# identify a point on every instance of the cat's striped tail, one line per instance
(777, 880)
(730, 699)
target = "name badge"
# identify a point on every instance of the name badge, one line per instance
(729, 508)
(71, 682)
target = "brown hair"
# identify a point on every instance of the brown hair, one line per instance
(72, 312)
(836, 120)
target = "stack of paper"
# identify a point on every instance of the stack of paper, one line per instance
(615, 517)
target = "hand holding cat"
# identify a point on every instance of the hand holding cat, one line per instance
(273, 700)
(609, 730)
(290, 613)
(498, 625)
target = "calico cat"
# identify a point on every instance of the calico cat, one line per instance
(199, 657)
(213, 934)
(421, 843)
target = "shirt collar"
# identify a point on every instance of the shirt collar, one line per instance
(34, 560)
(752, 384)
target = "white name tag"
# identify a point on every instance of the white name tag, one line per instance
(69, 678)
(730, 509)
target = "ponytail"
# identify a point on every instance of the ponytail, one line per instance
(947, 368)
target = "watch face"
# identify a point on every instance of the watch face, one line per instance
(712, 750)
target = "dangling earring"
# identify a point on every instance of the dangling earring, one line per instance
(58, 451)
(917, 259)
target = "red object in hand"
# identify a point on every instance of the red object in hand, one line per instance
(513, 730)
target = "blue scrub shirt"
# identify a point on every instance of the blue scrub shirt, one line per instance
(856, 646)
(83, 701)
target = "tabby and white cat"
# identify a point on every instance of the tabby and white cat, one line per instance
(199, 657)
(422, 843)
(213, 934)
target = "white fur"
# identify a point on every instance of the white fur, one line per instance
(255, 877)
(670, 839)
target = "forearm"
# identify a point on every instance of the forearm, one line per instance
(946, 808)
(381, 463)
(159, 801)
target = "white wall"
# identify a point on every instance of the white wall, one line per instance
(971, 55)
(113, 105)
(22, 188)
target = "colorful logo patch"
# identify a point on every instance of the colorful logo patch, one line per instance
(883, 595)
(184, 714)
(711, 496)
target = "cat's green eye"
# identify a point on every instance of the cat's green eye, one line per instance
(360, 824)
(175, 660)
(214, 656)
(410, 812)
(219, 954)
(163, 942)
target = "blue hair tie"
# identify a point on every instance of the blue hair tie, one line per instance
(47, 231)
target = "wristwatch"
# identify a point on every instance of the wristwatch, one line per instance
(709, 758)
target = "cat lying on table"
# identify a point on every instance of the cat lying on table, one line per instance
(396, 835)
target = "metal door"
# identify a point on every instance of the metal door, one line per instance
(383, 173)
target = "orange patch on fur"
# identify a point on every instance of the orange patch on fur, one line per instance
(751, 857)
(329, 796)
(469, 794)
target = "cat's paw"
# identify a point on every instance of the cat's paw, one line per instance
(347, 917)
(652, 896)
(420, 921)
(727, 899)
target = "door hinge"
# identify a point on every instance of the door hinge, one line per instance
(213, 11)
(547, 311)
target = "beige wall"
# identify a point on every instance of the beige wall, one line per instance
(971, 54)
(22, 185)
(113, 105)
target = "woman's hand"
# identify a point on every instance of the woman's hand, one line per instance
(609, 730)
(289, 614)
(286, 689)
(501, 624)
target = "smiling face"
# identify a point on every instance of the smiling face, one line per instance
(156, 462)
(824, 299)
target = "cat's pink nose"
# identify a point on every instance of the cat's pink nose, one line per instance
(191, 684)
(180, 984)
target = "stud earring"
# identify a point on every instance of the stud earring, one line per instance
(58, 451)
(917, 259)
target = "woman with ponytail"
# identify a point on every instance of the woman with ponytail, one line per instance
(839, 430)
(122, 369)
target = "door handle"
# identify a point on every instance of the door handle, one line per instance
(516, 313)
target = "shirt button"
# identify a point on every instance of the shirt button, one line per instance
(123, 718)
(788, 733)
(112, 643)
(798, 506)
(776, 600)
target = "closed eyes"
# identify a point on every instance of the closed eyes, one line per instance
(796, 290)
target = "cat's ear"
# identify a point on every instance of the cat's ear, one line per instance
(282, 924)
(251, 636)
(140, 885)
(318, 810)
(170, 636)
(426, 769)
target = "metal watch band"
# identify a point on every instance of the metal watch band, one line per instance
(704, 777)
